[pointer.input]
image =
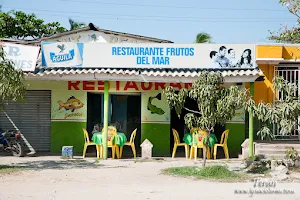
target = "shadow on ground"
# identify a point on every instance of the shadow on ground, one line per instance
(59, 164)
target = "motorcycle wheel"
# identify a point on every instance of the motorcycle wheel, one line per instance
(17, 150)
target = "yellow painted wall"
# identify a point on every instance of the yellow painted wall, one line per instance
(269, 51)
(291, 53)
(45, 85)
(264, 90)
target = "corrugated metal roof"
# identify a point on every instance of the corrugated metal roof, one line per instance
(180, 72)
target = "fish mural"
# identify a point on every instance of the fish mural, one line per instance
(152, 108)
(71, 104)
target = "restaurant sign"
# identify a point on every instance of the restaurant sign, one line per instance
(24, 57)
(128, 86)
(149, 55)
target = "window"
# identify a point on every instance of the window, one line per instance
(290, 73)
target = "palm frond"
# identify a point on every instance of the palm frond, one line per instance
(75, 25)
(203, 38)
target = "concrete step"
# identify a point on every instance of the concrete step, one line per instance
(277, 147)
(275, 150)
(271, 154)
(278, 144)
(274, 156)
(267, 156)
(267, 151)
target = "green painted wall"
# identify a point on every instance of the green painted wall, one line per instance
(67, 134)
(159, 136)
(235, 138)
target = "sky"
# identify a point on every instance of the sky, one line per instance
(230, 21)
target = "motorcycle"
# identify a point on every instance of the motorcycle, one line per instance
(10, 141)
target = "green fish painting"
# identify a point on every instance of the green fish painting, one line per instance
(152, 108)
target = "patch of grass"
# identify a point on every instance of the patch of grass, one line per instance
(7, 169)
(211, 172)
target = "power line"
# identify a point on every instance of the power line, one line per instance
(171, 6)
(118, 16)
(163, 20)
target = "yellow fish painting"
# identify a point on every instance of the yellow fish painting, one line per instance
(71, 104)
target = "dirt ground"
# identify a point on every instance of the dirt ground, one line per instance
(51, 178)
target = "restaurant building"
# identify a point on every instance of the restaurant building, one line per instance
(65, 90)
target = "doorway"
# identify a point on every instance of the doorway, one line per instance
(179, 124)
(124, 113)
(94, 110)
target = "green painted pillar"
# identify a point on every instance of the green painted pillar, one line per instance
(105, 120)
(251, 124)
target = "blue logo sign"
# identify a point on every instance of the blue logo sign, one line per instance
(62, 54)
(62, 57)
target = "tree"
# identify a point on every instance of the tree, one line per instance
(19, 25)
(75, 25)
(284, 113)
(12, 88)
(216, 104)
(284, 34)
(203, 38)
(11, 81)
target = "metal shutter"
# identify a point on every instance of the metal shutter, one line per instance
(33, 118)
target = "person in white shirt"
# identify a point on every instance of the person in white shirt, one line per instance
(213, 56)
(233, 61)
